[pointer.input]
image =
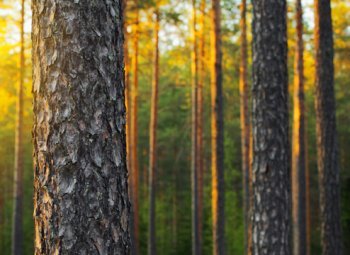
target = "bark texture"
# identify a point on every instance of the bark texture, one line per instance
(326, 130)
(194, 145)
(245, 130)
(153, 141)
(271, 162)
(81, 203)
(217, 134)
(299, 143)
(17, 224)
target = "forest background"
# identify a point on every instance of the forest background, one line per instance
(173, 197)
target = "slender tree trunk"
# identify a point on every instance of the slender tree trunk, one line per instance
(271, 163)
(134, 171)
(200, 109)
(298, 152)
(17, 228)
(81, 203)
(127, 81)
(307, 194)
(153, 140)
(326, 130)
(245, 130)
(194, 168)
(217, 136)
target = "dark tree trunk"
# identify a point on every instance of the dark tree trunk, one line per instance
(153, 141)
(17, 228)
(327, 145)
(299, 143)
(194, 167)
(245, 130)
(271, 162)
(217, 134)
(81, 203)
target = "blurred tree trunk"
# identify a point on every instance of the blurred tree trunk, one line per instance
(81, 203)
(200, 120)
(134, 168)
(217, 136)
(127, 82)
(153, 140)
(194, 167)
(17, 224)
(245, 130)
(271, 163)
(326, 131)
(299, 143)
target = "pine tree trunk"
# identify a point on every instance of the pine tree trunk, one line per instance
(271, 163)
(153, 141)
(217, 136)
(245, 130)
(194, 167)
(134, 168)
(81, 203)
(200, 109)
(327, 145)
(17, 224)
(298, 152)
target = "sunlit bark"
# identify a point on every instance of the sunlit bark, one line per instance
(299, 145)
(245, 130)
(217, 136)
(81, 203)
(134, 168)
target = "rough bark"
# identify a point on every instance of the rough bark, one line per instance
(271, 162)
(134, 168)
(326, 131)
(153, 140)
(217, 136)
(245, 130)
(299, 145)
(194, 145)
(200, 110)
(81, 203)
(17, 228)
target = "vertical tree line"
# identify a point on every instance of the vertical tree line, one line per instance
(17, 227)
(326, 131)
(217, 132)
(245, 128)
(153, 138)
(299, 199)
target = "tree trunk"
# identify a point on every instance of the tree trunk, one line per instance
(200, 122)
(327, 145)
(245, 130)
(134, 168)
(81, 203)
(298, 152)
(194, 168)
(153, 141)
(17, 224)
(271, 162)
(217, 136)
